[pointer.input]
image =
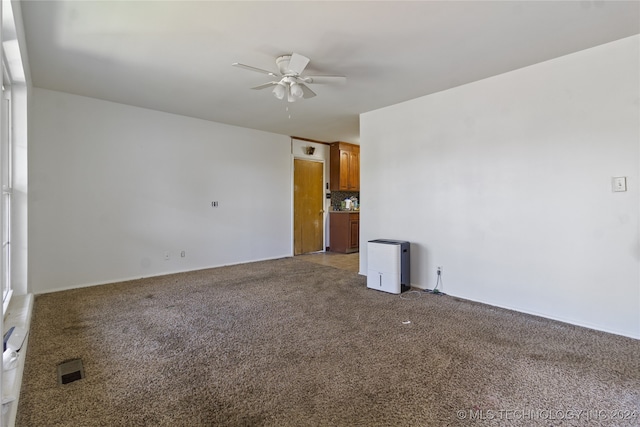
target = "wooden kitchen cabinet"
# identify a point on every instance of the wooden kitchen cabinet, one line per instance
(344, 231)
(344, 163)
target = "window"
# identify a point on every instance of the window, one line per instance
(6, 165)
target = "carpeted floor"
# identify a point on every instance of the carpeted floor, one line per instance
(293, 343)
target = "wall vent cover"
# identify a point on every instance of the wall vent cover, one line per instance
(70, 371)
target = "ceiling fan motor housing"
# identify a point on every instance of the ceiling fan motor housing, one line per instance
(283, 64)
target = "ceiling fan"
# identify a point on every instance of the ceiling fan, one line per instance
(291, 83)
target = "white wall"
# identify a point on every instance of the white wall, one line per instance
(114, 187)
(506, 184)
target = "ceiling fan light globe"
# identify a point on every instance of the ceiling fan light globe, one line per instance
(296, 90)
(279, 91)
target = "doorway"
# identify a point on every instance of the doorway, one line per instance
(308, 210)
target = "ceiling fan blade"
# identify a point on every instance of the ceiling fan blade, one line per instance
(265, 85)
(257, 70)
(306, 92)
(324, 79)
(297, 63)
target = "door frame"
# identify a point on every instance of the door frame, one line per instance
(325, 214)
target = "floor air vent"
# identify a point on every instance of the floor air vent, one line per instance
(70, 371)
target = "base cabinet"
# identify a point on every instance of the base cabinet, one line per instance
(344, 232)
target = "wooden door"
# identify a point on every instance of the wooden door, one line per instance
(308, 211)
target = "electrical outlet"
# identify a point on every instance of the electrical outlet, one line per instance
(166, 255)
(183, 254)
(214, 204)
(439, 270)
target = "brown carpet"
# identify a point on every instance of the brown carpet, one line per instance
(293, 343)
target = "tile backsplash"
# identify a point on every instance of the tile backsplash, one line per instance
(339, 196)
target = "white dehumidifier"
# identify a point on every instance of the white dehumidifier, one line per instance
(388, 265)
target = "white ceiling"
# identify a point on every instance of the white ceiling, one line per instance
(176, 56)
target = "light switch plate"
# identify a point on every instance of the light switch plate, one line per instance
(619, 183)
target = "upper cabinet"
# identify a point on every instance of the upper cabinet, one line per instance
(345, 167)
